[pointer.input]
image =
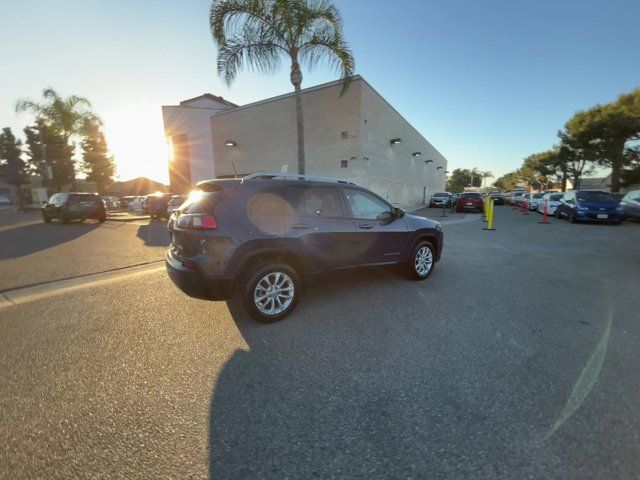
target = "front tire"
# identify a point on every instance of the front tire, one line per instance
(63, 219)
(271, 292)
(46, 218)
(422, 261)
(572, 217)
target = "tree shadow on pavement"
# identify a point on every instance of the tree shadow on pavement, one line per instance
(25, 240)
(154, 234)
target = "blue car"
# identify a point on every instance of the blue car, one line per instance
(589, 206)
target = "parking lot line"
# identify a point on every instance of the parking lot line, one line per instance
(28, 294)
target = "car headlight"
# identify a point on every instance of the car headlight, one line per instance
(439, 227)
(619, 209)
(579, 207)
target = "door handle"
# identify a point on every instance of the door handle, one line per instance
(365, 226)
(301, 227)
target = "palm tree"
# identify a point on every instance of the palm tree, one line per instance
(260, 32)
(484, 175)
(65, 116)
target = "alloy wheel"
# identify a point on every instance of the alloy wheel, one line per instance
(274, 293)
(423, 261)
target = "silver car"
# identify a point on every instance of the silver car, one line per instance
(631, 204)
(552, 200)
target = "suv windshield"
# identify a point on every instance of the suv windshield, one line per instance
(594, 197)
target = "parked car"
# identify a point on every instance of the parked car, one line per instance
(156, 204)
(175, 203)
(498, 198)
(136, 204)
(5, 201)
(552, 200)
(534, 200)
(515, 196)
(111, 202)
(469, 201)
(74, 206)
(589, 205)
(441, 199)
(630, 204)
(268, 234)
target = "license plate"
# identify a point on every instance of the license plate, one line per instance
(469, 204)
(601, 215)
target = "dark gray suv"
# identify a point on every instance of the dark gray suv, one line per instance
(267, 234)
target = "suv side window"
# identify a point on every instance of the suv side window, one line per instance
(315, 202)
(365, 206)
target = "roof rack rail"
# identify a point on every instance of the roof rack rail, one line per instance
(294, 176)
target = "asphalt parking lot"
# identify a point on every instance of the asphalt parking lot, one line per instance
(515, 359)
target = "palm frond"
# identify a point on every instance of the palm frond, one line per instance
(256, 49)
(329, 47)
(226, 17)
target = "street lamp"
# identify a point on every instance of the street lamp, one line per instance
(395, 141)
(428, 161)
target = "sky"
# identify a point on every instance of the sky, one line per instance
(486, 82)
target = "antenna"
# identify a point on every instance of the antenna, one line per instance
(234, 169)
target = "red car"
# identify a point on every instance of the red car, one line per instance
(469, 201)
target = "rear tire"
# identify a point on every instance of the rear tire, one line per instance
(271, 292)
(102, 219)
(421, 261)
(572, 217)
(46, 218)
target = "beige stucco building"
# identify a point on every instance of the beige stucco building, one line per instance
(357, 136)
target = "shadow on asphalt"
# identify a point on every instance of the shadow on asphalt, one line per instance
(41, 236)
(284, 408)
(154, 234)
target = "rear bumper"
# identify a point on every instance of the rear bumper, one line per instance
(593, 217)
(193, 283)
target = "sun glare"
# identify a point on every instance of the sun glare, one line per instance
(136, 139)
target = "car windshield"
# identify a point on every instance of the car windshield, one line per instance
(555, 197)
(441, 195)
(538, 195)
(594, 197)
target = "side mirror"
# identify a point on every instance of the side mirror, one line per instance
(398, 212)
(44, 202)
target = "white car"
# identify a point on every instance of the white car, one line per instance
(552, 200)
(136, 204)
(535, 200)
(5, 201)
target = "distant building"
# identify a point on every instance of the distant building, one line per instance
(358, 136)
(137, 186)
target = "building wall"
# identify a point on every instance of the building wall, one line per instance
(265, 133)
(392, 170)
(192, 120)
(346, 136)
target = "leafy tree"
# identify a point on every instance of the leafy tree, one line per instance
(260, 32)
(58, 119)
(97, 162)
(50, 155)
(508, 181)
(461, 178)
(606, 132)
(484, 175)
(12, 167)
(577, 156)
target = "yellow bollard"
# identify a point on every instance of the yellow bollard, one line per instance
(485, 208)
(490, 216)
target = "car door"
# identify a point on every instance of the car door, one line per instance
(382, 237)
(317, 226)
(633, 205)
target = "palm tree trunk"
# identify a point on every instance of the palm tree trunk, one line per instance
(296, 79)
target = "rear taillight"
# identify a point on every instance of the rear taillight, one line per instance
(197, 222)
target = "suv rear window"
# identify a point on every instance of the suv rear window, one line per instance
(201, 202)
(315, 202)
(440, 194)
